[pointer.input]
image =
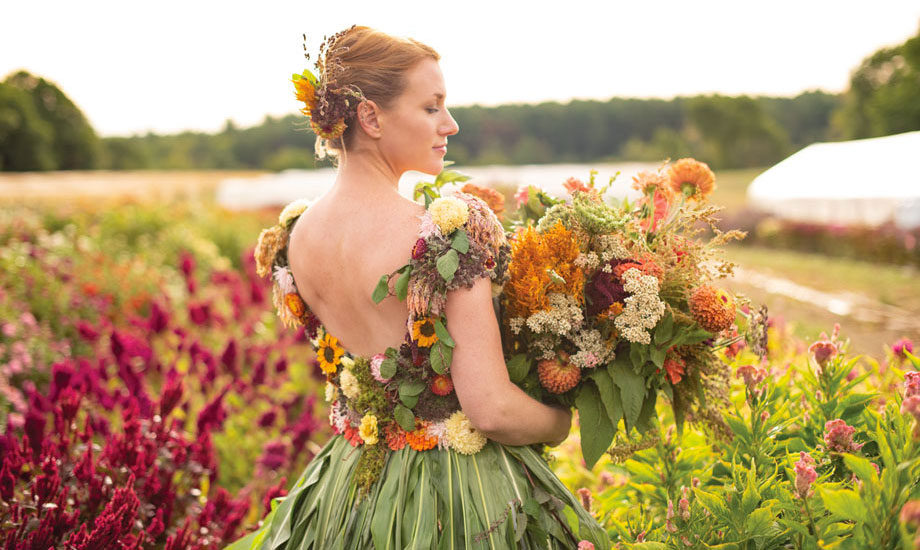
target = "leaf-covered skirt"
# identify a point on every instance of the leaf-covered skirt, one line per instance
(500, 498)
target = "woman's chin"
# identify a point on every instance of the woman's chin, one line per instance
(434, 168)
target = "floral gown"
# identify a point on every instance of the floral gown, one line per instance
(406, 469)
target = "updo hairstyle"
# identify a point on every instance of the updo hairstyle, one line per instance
(376, 63)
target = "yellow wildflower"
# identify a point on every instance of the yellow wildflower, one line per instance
(368, 429)
(448, 213)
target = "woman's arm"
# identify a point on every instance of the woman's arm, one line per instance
(494, 405)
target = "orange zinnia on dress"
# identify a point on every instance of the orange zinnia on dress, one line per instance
(420, 440)
(691, 178)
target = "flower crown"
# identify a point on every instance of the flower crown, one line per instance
(327, 104)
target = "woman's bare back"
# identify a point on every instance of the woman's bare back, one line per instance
(339, 248)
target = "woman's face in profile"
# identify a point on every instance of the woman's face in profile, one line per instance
(415, 128)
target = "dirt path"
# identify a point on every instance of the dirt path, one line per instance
(871, 325)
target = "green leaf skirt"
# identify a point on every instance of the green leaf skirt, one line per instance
(502, 497)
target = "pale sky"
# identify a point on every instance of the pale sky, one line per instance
(173, 65)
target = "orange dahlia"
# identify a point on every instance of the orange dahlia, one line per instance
(491, 197)
(329, 353)
(423, 332)
(713, 308)
(419, 439)
(691, 178)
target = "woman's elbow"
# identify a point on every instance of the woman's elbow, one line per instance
(488, 415)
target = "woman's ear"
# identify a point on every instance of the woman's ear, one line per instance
(368, 118)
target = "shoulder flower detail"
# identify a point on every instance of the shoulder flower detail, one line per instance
(448, 213)
(292, 211)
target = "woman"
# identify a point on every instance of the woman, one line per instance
(460, 474)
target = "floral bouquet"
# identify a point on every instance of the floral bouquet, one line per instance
(611, 302)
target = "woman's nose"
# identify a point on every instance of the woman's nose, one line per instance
(450, 128)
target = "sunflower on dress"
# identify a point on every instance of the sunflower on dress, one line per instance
(329, 353)
(423, 332)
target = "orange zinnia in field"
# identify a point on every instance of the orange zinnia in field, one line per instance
(533, 255)
(692, 178)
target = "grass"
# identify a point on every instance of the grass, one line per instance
(731, 187)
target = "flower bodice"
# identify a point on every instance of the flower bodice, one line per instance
(403, 395)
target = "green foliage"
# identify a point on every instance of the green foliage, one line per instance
(74, 144)
(25, 138)
(883, 92)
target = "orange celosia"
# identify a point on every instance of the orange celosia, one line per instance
(295, 304)
(491, 197)
(419, 440)
(533, 255)
(691, 178)
(396, 438)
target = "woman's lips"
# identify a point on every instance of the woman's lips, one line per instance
(442, 148)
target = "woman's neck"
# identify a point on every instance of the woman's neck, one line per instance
(366, 173)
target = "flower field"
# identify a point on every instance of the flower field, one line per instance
(151, 398)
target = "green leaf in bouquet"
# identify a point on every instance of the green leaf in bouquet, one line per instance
(665, 329)
(402, 283)
(555, 277)
(657, 355)
(409, 392)
(635, 355)
(610, 395)
(381, 290)
(404, 417)
(693, 336)
(518, 367)
(388, 368)
(442, 333)
(632, 389)
(596, 429)
(441, 356)
(460, 241)
(447, 264)
(844, 503)
(644, 423)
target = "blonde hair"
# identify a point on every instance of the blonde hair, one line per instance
(376, 63)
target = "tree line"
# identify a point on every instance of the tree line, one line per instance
(41, 129)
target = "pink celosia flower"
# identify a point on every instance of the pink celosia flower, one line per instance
(428, 227)
(838, 437)
(911, 384)
(910, 513)
(684, 507)
(823, 351)
(805, 475)
(585, 545)
(753, 378)
(902, 346)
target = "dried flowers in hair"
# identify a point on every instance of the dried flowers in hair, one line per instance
(328, 104)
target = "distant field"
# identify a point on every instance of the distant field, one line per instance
(152, 185)
(731, 187)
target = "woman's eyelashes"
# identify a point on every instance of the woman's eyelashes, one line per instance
(432, 110)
